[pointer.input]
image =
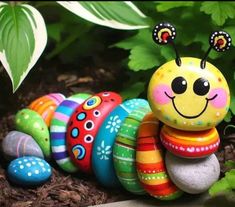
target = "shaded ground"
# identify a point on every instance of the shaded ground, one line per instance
(64, 189)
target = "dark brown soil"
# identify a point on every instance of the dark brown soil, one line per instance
(64, 189)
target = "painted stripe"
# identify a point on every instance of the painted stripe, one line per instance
(60, 155)
(63, 161)
(57, 149)
(65, 110)
(58, 129)
(57, 142)
(149, 156)
(58, 135)
(61, 116)
(124, 158)
(69, 104)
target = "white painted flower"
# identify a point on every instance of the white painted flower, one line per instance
(113, 124)
(103, 151)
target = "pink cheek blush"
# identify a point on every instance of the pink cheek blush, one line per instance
(221, 99)
(159, 94)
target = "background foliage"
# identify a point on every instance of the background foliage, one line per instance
(194, 22)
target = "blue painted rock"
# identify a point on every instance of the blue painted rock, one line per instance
(29, 171)
(102, 152)
(30, 122)
(17, 144)
(58, 130)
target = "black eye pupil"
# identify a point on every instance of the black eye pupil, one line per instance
(201, 86)
(179, 85)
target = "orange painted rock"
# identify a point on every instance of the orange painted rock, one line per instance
(150, 162)
(46, 106)
(186, 144)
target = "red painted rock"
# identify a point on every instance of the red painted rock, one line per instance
(187, 144)
(84, 125)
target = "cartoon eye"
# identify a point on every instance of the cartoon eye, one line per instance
(89, 125)
(92, 103)
(96, 113)
(179, 85)
(201, 86)
(88, 138)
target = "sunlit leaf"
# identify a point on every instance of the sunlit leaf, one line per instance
(119, 15)
(23, 38)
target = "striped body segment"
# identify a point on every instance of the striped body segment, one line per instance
(190, 145)
(46, 105)
(124, 151)
(58, 130)
(150, 161)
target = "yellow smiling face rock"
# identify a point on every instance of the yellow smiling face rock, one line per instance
(187, 97)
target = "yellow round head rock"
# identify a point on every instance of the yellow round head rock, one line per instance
(189, 93)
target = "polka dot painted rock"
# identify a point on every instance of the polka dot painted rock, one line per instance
(150, 161)
(46, 105)
(29, 171)
(31, 123)
(193, 175)
(124, 151)
(84, 125)
(102, 152)
(58, 130)
(190, 145)
(17, 144)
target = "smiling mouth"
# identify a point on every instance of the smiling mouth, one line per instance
(190, 117)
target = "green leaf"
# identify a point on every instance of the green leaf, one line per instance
(230, 177)
(219, 11)
(118, 15)
(228, 117)
(143, 57)
(133, 91)
(142, 37)
(220, 186)
(165, 6)
(54, 31)
(23, 38)
(231, 31)
(144, 54)
(230, 164)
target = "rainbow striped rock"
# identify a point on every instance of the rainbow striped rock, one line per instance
(124, 151)
(150, 161)
(46, 105)
(58, 130)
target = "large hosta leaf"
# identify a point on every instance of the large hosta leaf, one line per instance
(23, 38)
(118, 15)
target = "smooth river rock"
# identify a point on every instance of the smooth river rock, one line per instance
(17, 144)
(193, 176)
(29, 171)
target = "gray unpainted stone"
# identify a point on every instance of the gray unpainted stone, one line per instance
(193, 176)
(26, 145)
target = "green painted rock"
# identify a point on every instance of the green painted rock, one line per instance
(124, 151)
(30, 122)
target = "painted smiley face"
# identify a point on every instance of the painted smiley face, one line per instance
(188, 97)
